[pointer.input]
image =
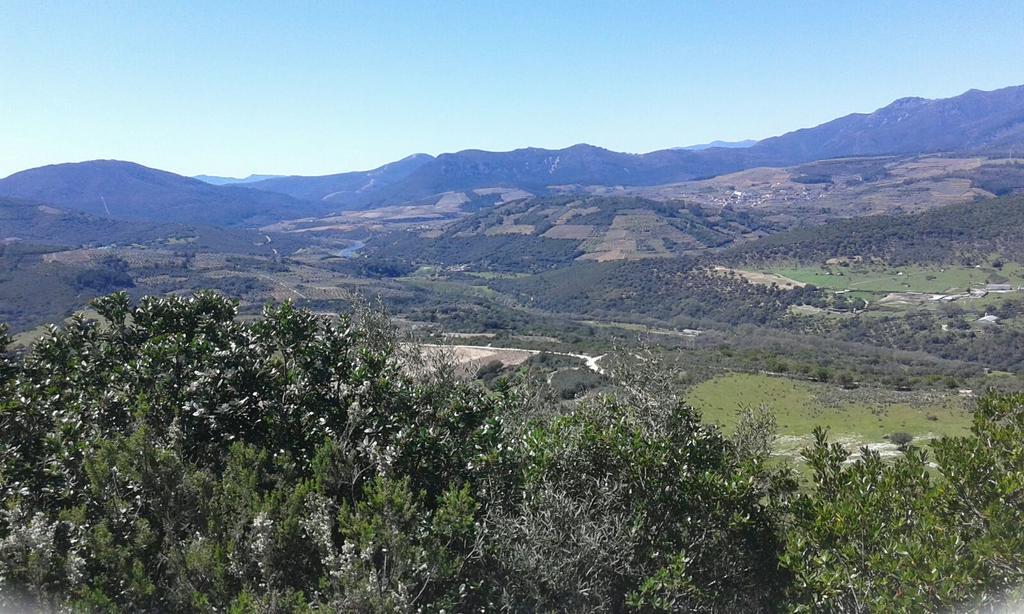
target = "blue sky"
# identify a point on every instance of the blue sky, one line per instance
(311, 88)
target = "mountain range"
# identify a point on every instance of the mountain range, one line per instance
(125, 190)
(975, 122)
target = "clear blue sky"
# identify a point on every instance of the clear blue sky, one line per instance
(281, 87)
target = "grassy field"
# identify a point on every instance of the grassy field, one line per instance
(855, 417)
(877, 279)
(27, 338)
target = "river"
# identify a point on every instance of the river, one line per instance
(351, 250)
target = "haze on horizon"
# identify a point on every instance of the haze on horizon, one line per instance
(239, 88)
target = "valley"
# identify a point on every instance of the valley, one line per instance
(870, 291)
(549, 314)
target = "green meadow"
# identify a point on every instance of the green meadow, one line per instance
(862, 415)
(879, 279)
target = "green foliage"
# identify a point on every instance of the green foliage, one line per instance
(170, 459)
(669, 290)
(878, 536)
(901, 438)
(615, 494)
(173, 458)
(498, 252)
(956, 234)
(1000, 347)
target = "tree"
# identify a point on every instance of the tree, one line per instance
(887, 536)
(175, 458)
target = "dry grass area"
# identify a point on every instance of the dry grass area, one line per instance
(572, 211)
(469, 358)
(932, 166)
(507, 194)
(447, 208)
(451, 199)
(909, 298)
(762, 279)
(74, 256)
(134, 257)
(618, 249)
(426, 217)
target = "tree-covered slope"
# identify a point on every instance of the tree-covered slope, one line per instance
(968, 231)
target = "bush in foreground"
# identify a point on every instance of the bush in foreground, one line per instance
(173, 458)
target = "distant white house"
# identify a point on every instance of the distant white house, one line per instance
(988, 319)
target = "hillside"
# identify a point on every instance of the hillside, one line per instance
(815, 192)
(965, 232)
(684, 218)
(53, 260)
(530, 169)
(544, 232)
(39, 223)
(344, 187)
(125, 190)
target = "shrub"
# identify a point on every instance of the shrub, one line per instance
(901, 438)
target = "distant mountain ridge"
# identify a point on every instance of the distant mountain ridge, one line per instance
(532, 169)
(727, 144)
(342, 186)
(125, 190)
(974, 122)
(218, 180)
